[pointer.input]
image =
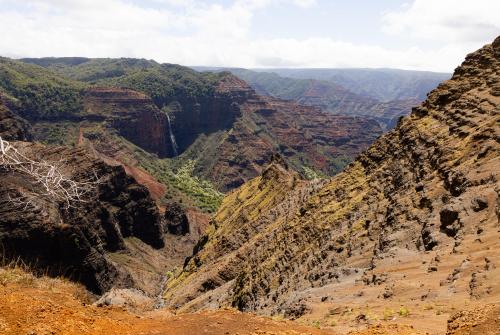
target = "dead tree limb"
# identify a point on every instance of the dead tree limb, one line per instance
(49, 175)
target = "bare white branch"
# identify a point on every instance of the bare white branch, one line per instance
(49, 175)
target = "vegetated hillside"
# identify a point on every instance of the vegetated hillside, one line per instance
(218, 130)
(39, 93)
(328, 95)
(411, 225)
(382, 84)
(12, 127)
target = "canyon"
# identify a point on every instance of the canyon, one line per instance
(412, 220)
(205, 205)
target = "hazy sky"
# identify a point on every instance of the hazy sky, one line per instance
(419, 34)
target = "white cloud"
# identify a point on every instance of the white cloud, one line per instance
(305, 3)
(456, 21)
(194, 32)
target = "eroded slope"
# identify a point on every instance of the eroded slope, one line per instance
(425, 192)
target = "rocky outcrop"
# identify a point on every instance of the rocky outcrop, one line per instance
(74, 241)
(411, 196)
(176, 220)
(483, 320)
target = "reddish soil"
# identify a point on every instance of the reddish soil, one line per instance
(56, 309)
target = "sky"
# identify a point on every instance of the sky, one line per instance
(433, 35)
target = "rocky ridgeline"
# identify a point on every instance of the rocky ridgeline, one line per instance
(428, 188)
(338, 100)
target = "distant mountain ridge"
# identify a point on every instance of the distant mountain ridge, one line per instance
(326, 89)
(382, 84)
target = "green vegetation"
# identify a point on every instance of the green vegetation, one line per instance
(162, 82)
(310, 174)
(404, 312)
(184, 186)
(388, 314)
(205, 194)
(39, 93)
(60, 133)
(166, 82)
(316, 324)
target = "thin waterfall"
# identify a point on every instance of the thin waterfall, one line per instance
(175, 148)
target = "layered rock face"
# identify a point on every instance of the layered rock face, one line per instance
(193, 117)
(415, 216)
(338, 100)
(305, 136)
(74, 241)
(134, 115)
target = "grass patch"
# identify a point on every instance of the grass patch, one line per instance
(404, 312)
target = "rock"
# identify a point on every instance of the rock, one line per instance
(295, 310)
(478, 320)
(176, 220)
(479, 203)
(134, 115)
(449, 221)
(128, 298)
(388, 292)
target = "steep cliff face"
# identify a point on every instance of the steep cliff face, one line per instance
(416, 215)
(306, 137)
(134, 115)
(218, 112)
(74, 241)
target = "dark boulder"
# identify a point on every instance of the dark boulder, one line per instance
(176, 220)
(479, 203)
(450, 223)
